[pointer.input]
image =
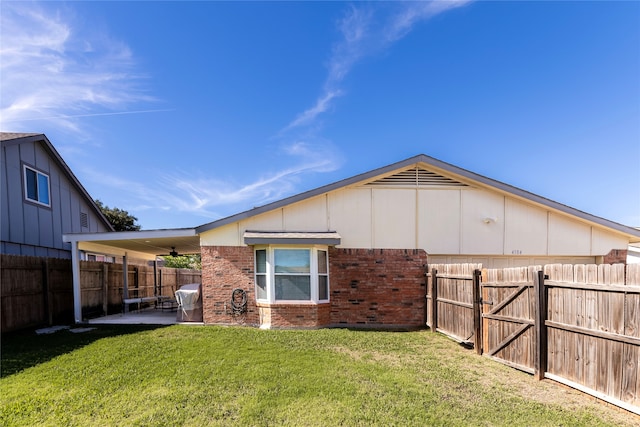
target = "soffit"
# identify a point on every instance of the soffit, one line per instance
(157, 242)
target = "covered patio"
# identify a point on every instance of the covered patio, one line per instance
(138, 245)
(149, 316)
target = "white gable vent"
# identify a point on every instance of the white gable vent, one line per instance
(416, 177)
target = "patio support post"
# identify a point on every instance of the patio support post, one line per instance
(125, 281)
(75, 273)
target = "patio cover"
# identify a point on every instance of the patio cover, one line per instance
(139, 244)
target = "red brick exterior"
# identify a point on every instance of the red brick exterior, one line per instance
(378, 287)
(295, 315)
(616, 256)
(368, 288)
(225, 268)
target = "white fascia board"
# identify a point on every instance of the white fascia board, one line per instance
(125, 235)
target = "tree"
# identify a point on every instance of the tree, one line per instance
(120, 220)
(192, 262)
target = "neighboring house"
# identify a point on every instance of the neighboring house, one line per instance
(355, 253)
(41, 199)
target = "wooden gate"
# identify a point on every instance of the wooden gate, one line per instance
(508, 316)
(453, 302)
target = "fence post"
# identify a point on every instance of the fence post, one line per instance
(105, 288)
(477, 314)
(46, 293)
(540, 356)
(434, 300)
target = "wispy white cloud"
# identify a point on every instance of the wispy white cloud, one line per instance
(366, 30)
(413, 13)
(57, 71)
(309, 116)
(211, 197)
(53, 69)
(207, 196)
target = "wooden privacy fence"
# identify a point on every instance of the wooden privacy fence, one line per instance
(508, 316)
(452, 300)
(575, 324)
(37, 291)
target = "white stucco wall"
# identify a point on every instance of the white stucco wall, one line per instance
(444, 222)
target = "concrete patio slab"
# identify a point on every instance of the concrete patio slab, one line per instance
(143, 317)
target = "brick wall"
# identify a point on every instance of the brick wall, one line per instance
(295, 315)
(369, 288)
(616, 256)
(225, 268)
(378, 287)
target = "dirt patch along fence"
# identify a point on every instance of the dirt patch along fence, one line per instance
(575, 324)
(38, 291)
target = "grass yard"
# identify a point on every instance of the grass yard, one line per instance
(197, 376)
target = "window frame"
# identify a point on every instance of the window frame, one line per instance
(38, 175)
(270, 273)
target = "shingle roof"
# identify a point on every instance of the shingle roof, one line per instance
(8, 136)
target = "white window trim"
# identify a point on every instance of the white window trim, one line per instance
(26, 190)
(86, 256)
(270, 274)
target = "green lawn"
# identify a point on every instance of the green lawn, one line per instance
(195, 376)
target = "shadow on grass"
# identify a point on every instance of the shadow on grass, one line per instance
(23, 349)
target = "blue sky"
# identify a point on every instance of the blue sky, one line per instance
(186, 112)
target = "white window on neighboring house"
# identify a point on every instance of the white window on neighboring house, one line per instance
(97, 257)
(292, 274)
(36, 186)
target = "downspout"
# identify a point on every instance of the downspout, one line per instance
(75, 272)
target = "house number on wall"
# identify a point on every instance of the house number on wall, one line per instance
(516, 252)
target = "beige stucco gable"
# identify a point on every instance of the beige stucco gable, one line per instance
(441, 212)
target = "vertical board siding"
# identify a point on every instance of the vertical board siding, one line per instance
(34, 229)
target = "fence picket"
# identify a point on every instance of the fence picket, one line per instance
(27, 283)
(581, 298)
